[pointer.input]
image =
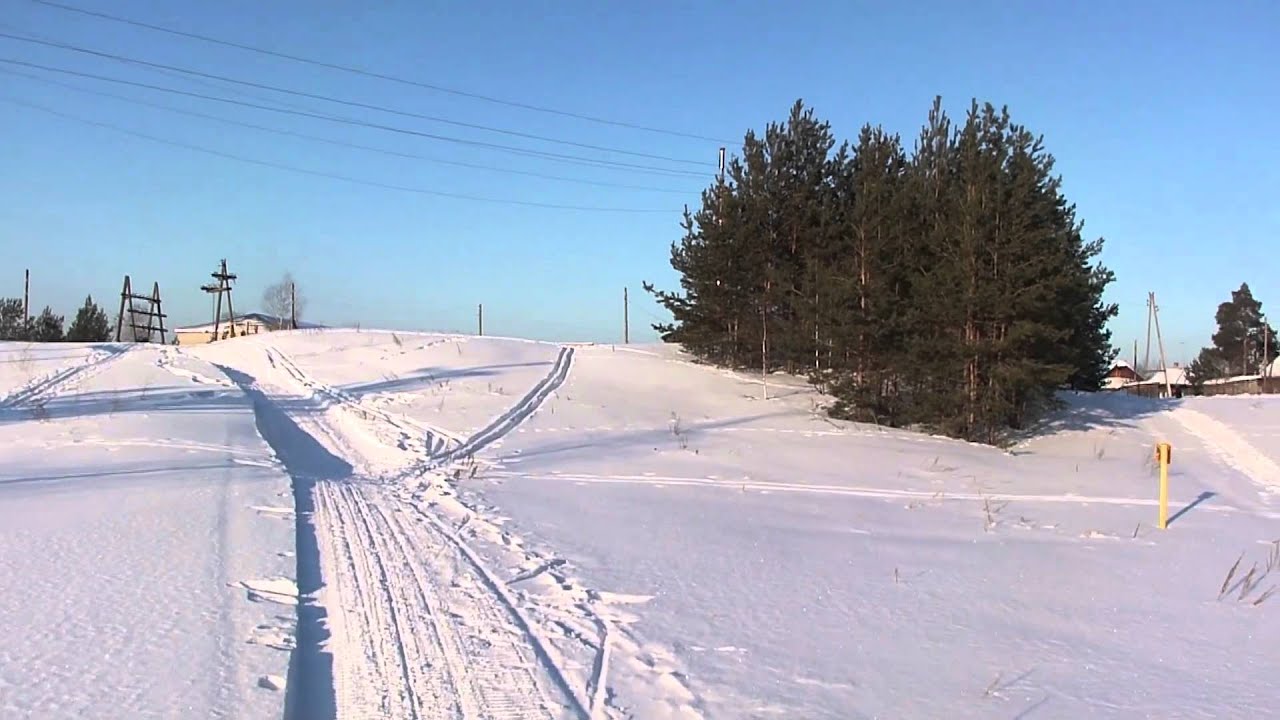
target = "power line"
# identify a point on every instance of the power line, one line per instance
(340, 101)
(317, 173)
(377, 75)
(342, 143)
(221, 87)
(562, 157)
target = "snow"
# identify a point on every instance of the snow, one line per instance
(126, 495)
(1177, 376)
(333, 523)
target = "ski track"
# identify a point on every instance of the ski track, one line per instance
(61, 380)
(517, 414)
(422, 628)
(434, 441)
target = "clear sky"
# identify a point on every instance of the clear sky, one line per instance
(1162, 115)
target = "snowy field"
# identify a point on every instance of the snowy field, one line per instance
(376, 525)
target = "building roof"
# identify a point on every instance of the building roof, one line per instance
(1122, 363)
(1177, 376)
(264, 318)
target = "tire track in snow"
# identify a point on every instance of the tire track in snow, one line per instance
(486, 646)
(418, 634)
(1229, 447)
(418, 628)
(517, 414)
(54, 384)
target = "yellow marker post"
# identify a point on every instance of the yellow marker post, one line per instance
(1164, 456)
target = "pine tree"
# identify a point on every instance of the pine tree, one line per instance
(46, 327)
(12, 322)
(1208, 365)
(951, 289)
(1243, 343)
(90, 325)
(862, 278)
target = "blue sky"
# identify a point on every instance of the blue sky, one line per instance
(1161, 116)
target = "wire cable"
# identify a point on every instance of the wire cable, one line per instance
(318, 173)
(342, 143)
(350, 103)
(377, 75)
(363, 123)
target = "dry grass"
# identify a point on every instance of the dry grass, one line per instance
(1246, 586)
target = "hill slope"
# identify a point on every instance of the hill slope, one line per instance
(500, 528)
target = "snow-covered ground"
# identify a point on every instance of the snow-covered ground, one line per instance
(146, 539)
(492, 528)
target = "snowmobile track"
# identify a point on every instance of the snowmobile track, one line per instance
(433, 640)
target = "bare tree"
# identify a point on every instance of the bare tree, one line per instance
(284, 300)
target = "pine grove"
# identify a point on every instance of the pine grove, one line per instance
(949, 288)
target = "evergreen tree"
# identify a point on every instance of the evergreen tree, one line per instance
(951, 289)
(46, 327)
(1208, 365)
(90, 325)
(12, 322)
(1243, 343)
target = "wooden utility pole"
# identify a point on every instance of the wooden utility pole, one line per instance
(1266, 348)
(1164, 367)
(480, 320)
(626, 318)
(293, 306)
(26, 300)
(223, 287)
(153, 313)
(1146, 360)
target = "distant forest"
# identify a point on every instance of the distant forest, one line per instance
(949, 288)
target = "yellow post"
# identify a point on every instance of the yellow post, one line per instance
(1164, 456)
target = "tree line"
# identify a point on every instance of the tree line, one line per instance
(90, 323)
(948, 288)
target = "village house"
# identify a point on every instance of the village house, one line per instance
(1121, 374)
(246, 324)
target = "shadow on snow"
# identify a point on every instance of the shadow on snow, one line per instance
(424, 377)
(310, 690)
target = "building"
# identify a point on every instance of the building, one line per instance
(246, 324)
(1156, 386)
(1121, 374)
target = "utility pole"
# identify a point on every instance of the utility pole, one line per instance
(26, 300)
(1164, 367)
(1146, 361)
(1266, 348)
(293, 305)
(626, 318)
(480, 320)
